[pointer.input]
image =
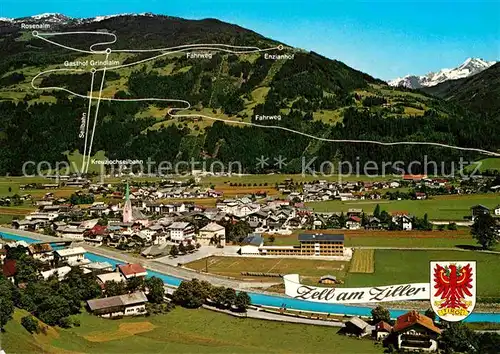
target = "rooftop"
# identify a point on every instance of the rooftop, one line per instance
(253, 239)
(213, 226)
(321, 237)
(131, 269)
(115, 301)
(413, 317)
(39, 248)
(71, 251)
(112, 276)
(179, 225)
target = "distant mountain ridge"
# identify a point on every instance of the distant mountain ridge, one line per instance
(57, 18)
(477, 93)
(470, 67)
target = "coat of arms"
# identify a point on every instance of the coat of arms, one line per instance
(453, 289)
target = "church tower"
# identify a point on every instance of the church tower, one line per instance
(127, 208)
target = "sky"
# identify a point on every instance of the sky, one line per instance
(386, 39)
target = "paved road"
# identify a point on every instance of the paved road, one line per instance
(263, 315)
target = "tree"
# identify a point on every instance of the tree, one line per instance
(483, 230)
(229, 297)
(272, 238)
(452, 226)
(156, 290)
(135, 284)
(242, 301)
(114, 288)
(190, 294)
(457, 337)
(174, 251)
(27, 269)
(182, 248)
(6, 310)
(376, 212)
(53, 309)
(30, 324)
(380, 313)
(431, 314)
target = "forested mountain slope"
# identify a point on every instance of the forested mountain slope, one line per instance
(307, 93)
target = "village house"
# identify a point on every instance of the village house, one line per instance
(415, 332)
(212, 233)
(479, 210)
(181, 232)
(402, 219)
(497, 210)
(116, 306)
(356, 327)
(111, 276)
(132, 270)
(60, 273)
(72, 232)
(71, 256)
(98, 267)
(382, 330)
(353, 223)
(42, 252)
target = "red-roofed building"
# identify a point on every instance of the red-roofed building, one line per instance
(410, 177)
(132, 270)
(382, 330)
(414, 331)
(9, 269)
(353, 223)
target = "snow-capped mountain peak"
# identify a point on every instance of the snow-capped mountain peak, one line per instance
(57, 18)
(469, 67)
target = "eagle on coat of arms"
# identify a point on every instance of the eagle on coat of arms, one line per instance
(452, 285)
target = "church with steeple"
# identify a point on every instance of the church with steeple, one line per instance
(127, 208)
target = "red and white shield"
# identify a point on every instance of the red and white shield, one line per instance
(453, 289)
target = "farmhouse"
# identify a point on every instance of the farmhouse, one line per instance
(356, 327)
(122, 305)
(414, 331)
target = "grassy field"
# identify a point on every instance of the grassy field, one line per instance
(363, 261)
(311, 270)
(406, 239)
(490, 163)
(397, 267)
(448, 207)
(181, 331)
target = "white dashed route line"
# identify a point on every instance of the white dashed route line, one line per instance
(187, 47)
